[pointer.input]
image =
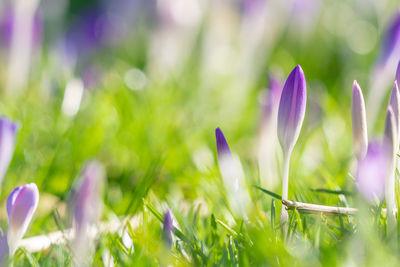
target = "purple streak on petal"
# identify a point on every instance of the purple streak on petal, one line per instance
(11, 199)
(292, 109)
(22, 203)
(359, 122)
(372, 171)
(168, 227)
(8, 131)
(391, 42)
(222, 145)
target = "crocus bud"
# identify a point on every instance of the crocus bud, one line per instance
(168, 227)
(226, 163)
(372, 171)
(86, 205)
(21, 204)
(391, 132)
(394, 103)
(292, 109)
(231, 173)
(359, 122)
(8, 131)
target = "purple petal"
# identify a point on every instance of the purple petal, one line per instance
(390, 50)
(168, 227)
(359, 122)
(397, 78)
(372, 171)
(292, 109)
(222, 145)
(23, 203)
(11, 199)
(8, 131)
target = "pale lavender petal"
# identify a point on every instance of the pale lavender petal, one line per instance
(372, 172)
(292, 109)
(168, 227)
(11, 199)
(8, 131)
(359, 122)
(23, 204)
(397, 78)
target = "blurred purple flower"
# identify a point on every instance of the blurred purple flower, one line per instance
(273, 96)
(86, 207)
(88, 200)
(397, 77)
(7, 25)
(168, 227)
(372, 171)
(4, 250)
(21, 204)
(390, 133)
(292, 109)
(390, 51)
(8, 131)
(359, 122)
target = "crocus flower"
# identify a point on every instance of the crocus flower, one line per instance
(291, 113)
(230, 174)
(372, 171)
(359, 122)
(292, 109)
(86, 205)
(21, 204)
(168, 227)
(394, 103)
(390, 137)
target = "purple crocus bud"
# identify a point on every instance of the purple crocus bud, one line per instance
(168, 227)
(292, 109)
(8, 131)
(394, 103)
(86, 207)
(359, 122)
(21, 204)
(372, 171)
(231, 173)
(226, 163)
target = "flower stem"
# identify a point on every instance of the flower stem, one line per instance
(285, 180)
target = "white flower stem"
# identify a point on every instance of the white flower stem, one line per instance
(285, 180)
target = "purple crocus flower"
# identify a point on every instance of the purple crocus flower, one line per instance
(231, 174)
(359, 122)
(8, 131)
(291, 113)
(372, 171)
(86, 207)
(292, 109)
(21, 204)
(168, 227)
(226, 163)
